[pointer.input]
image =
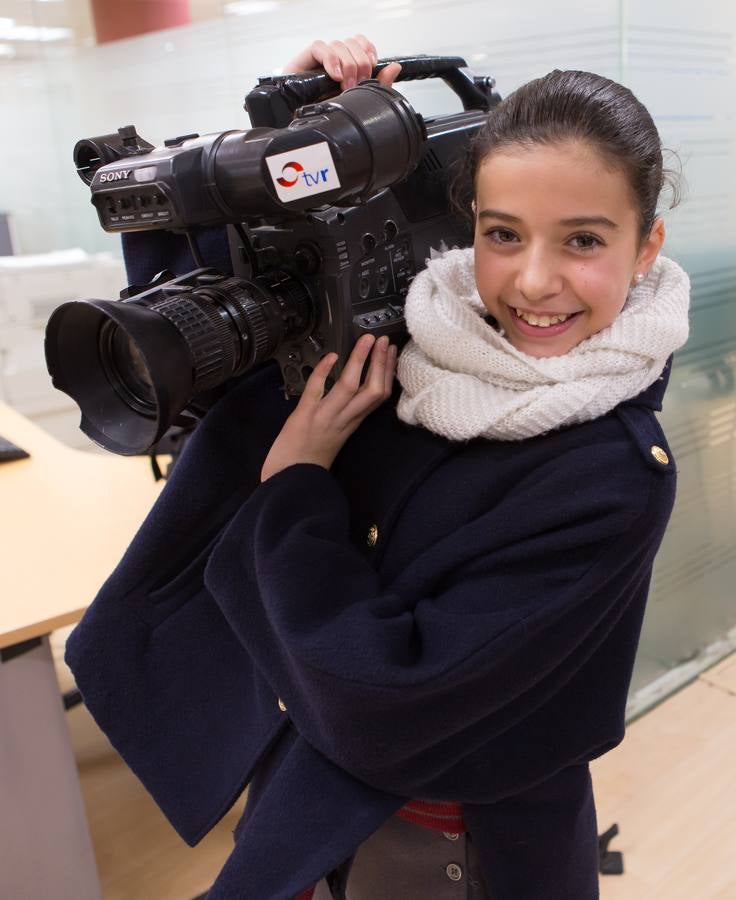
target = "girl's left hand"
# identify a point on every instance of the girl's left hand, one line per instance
(319, 426)
(348, 61)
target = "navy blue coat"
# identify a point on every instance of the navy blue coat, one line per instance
(479, 650)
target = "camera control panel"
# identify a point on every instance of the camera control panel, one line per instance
(123, 210)
(381, 281)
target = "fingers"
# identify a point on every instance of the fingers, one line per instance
(354, 62)
(348, 61)
(368, 46)
(348, 384)
(374, 386)
(393, 356)
(349, 400)
(326, 56)
(364, 60)
(314, 388)
(387, 76)
(306, 59)
(379, 381)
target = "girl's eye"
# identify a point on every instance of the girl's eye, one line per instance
(586, 242)
(501, 235)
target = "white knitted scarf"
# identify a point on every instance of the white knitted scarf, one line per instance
(462, 378)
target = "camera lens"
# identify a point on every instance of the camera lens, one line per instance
(126, 369)
(134, 366)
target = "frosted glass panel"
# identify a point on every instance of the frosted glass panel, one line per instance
(684, 72)
(195, 78)
(677, 57)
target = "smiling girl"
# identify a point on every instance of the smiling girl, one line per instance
(412, 627)
(558, 240)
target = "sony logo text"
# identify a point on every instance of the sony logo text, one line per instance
(115, 176)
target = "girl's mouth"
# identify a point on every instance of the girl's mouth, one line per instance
(534, 325)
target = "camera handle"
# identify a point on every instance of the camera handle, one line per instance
(272, 103)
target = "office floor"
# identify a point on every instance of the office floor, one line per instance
(670, 786)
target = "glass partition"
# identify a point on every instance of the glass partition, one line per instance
(59, 82)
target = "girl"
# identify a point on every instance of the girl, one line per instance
(414, 624)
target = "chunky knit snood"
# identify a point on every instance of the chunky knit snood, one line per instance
(462, 378)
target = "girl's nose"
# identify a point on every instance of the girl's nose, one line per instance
(537, 278)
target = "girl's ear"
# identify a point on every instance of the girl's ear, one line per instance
(651, 246)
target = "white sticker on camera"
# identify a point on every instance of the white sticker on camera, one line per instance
(303, 172)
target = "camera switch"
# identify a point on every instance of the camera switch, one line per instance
(174, 142)
(310, 109)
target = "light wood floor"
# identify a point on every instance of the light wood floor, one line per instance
(670, 786)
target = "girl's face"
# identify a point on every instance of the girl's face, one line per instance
(556, 244)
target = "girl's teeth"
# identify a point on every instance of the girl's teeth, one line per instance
(541, 321)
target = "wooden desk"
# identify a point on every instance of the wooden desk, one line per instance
(66, 517)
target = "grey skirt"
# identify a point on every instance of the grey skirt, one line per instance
(403, 861)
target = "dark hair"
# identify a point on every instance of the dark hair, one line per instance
(571, 105)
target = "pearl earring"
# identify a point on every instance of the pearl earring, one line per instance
(639, 277)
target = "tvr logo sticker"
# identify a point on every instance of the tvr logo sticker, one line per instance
(301, 173)
(293, 171)
(290, 168)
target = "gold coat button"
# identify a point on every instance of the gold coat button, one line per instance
(454, 872)
(659, 454)
(282, 705)
(373, 535)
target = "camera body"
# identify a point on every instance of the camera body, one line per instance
(331, 208)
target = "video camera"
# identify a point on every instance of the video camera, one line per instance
(332, 203)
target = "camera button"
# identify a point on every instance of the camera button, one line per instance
(369, 242)
(390, 229)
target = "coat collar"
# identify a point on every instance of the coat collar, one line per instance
(652, 396)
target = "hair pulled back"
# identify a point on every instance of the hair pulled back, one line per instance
(578, 106)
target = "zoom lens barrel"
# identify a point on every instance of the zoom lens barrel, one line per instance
(133, 366)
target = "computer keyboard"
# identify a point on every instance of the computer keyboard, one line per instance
(10, 451)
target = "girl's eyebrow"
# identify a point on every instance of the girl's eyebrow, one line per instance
(579, 221)
(575, 222)
(497, 214)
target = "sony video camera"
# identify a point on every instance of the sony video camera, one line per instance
(332, 203)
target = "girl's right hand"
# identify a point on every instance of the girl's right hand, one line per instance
(348, 61)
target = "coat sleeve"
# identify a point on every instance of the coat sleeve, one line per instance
(397, 683)
(192, 722)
